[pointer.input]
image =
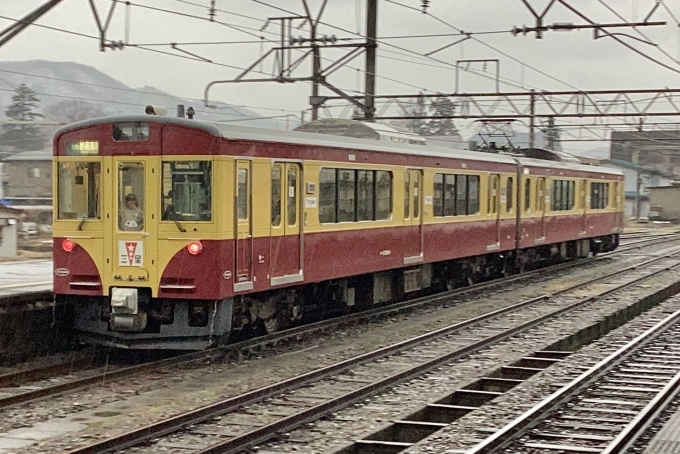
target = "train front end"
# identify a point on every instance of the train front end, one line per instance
(140, 255)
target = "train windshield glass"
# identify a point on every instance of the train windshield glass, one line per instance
(131, 199)
(79, 189)
(187, 191)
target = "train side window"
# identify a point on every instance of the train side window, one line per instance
(461, 195)
(527, 195)
(416, 193)
(276, 196)
(449, 195)
(473, 194)
(572, 194)
(540, 195)
(599, 195)
(79, 186)
(291, 196)
(383, 195)
(509, 195)
(407, 194)
(438, 195)
(187, 191)
(346, 195)
(365, 195)
(327, 196)
(242, 195)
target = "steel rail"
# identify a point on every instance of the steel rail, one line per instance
(39, 373)
(508, 434)
(301, 331)
(238, 443)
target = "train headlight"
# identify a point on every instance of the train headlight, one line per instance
(68, 245)
(195, 247)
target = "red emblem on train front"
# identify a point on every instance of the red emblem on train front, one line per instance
(131, 248)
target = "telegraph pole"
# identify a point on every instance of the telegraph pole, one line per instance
(371, 34)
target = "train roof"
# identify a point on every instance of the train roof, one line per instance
(228, 131)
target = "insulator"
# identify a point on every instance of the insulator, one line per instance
(425, 4)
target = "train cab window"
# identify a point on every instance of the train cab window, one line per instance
(187, 191)
(407, 194)
(527, 195)
(276, 196)
(79, 184)
(242, 194)
(131, 131)
(131, 196)
(509, 187)
(291, 196)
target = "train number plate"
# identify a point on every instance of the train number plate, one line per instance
(131, 253)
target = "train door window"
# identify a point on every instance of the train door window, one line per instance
(509, 186)
(461, 195)
(438, 195)
(131, 198)
(291, 195)
(407, 194)
(187, 191)
(527, 195)
(327, 196)
(416, 194)
(449, 195)
(473, 194)
(540, 195)
(365, 195)
(605, 199)
(276, 196)
(79, 186)
(493, 195)
(242, 194)
(615, 191)
(346, 195)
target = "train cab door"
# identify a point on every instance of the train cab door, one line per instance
(541, 200)
(286, 223)
(133, 262)
(413, 215)
(583, 206)
(496, 197)
(243, 225)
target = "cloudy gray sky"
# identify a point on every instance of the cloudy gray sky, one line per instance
(565, 60)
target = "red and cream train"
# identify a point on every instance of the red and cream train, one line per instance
(174, 233)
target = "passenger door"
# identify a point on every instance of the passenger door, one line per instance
(494, 210)
(286, 223)
(133, 262)
(413, 215)
(243, 225)
(541, 200)
(583, 201)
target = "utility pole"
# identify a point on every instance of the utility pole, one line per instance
(371, 34)
(532, 108)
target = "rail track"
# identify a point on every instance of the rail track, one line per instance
(96, 370)
(608, 407)
(256, 416)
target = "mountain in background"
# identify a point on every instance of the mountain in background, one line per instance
(106, 94)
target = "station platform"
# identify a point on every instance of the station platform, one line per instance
(28, 275)
(667, 440)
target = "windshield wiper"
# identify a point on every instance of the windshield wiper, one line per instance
(82, 221)
(179, 226)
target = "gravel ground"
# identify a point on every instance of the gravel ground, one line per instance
(376, 413)
(139, 400)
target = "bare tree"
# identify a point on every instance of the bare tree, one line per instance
(73, 110)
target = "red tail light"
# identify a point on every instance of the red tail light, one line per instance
(68, 245)
(195, 247)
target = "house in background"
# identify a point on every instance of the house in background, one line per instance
(639, 180)
(27, 184)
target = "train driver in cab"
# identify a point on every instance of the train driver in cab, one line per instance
(130, 217)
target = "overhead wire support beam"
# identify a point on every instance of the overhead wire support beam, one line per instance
(23, 23)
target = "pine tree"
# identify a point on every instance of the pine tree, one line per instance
(442, 107)
(418, 125)
(23, 137)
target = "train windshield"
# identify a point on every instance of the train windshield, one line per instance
(187, 191)
(79, 189)
(131, 196)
